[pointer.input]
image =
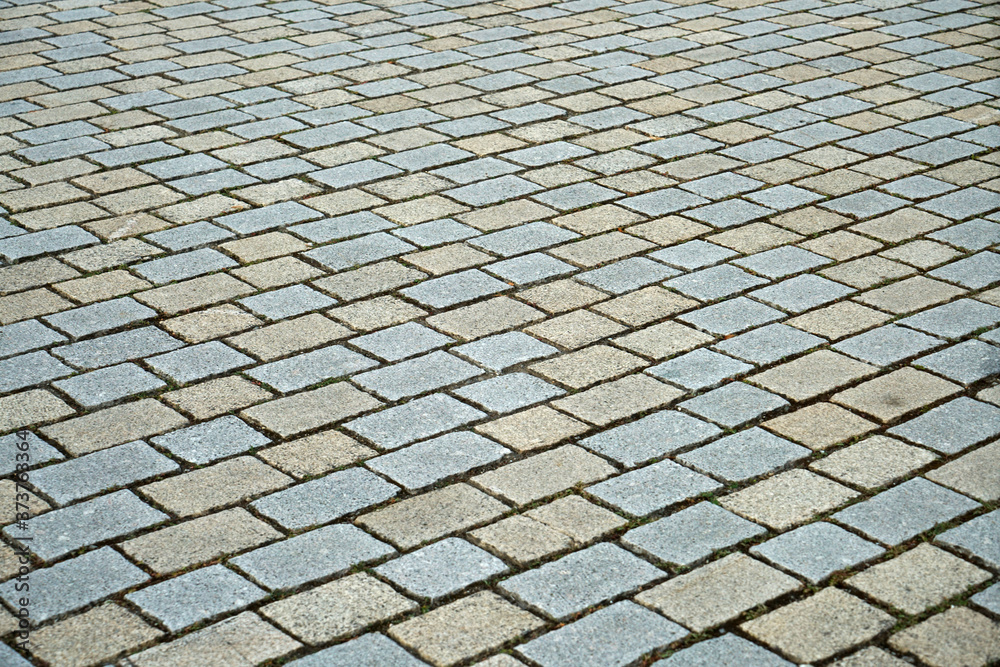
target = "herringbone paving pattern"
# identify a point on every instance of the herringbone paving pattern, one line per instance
(453, 332)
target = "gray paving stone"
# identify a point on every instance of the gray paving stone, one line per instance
(613, 636)
(359, 251)
(63, 531)
(955, 319)
(454, 289)
(196, 596)
(493, 191)
(44, 242)
(523, 239)
(267, 217)
(781, 262)
(100, 317)
(650, 437)
(75, 583)
(802, 293)
(442, 568)
(734, 404)
(424, 463)
(817, 550)
(977, 537)
(952, 427)
(108, 385)
(747, 454)
(529, 268)
(731, 316)
(30, 369)
(38, 450)
(966, 362)
(417, 419)
(184, 265)
(504, 350)
(211, 440)
(25, 337)
(287, 302)
(418, 375)
(196, 362)
(402, 341)
(582, 579)
(971, 235)
(650, 489)
(769, 344)
(725, 651)
(332, 550)
(693, 254)
(714, 283)
(699, 369)
(887, 345)
(371, 650)
(342, 227)
(325, 499)
(307, 369)
(116, 348)
(905, 511)
(627, 275)
(436, 232)
(988, 599)
(100, 471)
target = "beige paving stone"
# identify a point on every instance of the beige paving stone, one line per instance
(820, 626)
(277, 273)
(463, 629)
(922, 253)
(867, 271)
(369, 280)
(901, 225)
(194, 293)
(376, 313)
(33, 303)
(199, 540)
(581, 519)
(265, 246)
(575, 329)
(289, 336)
(428, 516)
(975, 474)
(908, 295)
(871, 657)
(622, 398)
(202, 208)
(433, 207)
(891, 396)
(521, 539)
(35, 273)
(874, 462)
(484, 318)
(114, 426)
(92, 638)
(9, 562)
(534, 428)
(918, 579)
(29, 408)
(588, 366)
(959, 637)
(101, 287)
(242, 641)
(644, 306)
(312, 409)
(812, 375)
(544, 474)
(597, 250)
(839, 320)
(447, 258)
(216, 397)
(561, 296)
(216, 322)
(337, 609)
(14, 501)
(669, 230)
(663, 340)
(788, 499)
(316, 454)
(719, 592)
(227, 483)
(755, 237)
(598, 219)
(505, 215)
(124, 226)
(841, 245)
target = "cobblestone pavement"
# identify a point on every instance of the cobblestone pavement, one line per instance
(450, 332)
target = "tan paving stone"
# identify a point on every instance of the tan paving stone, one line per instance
(871, 657)
(521, 539)
(575, 329)
(369, 280)
(841, 245)
(544, 474)
(867, 272)
(603, 249)
(959, 637)
(93, 637)
(663, 340)
(31, 407)
(975, 474)
(598, 219)
(312, 409)
(891, 396)
(788, 499)
(277, 273)
(33, 303)
(431, 515)
(216, 397)
(17, 500)
(376, 313)
(561, 296)
(484, 318)
(289, 336)
(447, 258)
(820, 626)
(874, 462)
(839, 320)
(265, 246)
(588, 366)
(35, 273)
(114, 426)
(716, 593)
(622, 398)
(465, 628)
(195, 293)
(101, 287)
(918, 579)
(316, 454)
(669, 230)
(534, 428)
(581, 519)
(908, 295)
(812, 375)
(644, 306)
(505, 215)
(901, 225)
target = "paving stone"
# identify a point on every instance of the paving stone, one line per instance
(952, 427)
(100, 317)
(311, 409)
(874, 462)
(337, 609)
(114, 426)
(198, 362)
(958, 636)
(968, 362)
(750, 453)
(976, 537)
(787, 499)
(870, 657)
(650, 489)
(724, 651)
(304, 370)
(973, 474)
(817, 550)
(904, 511)
(733, 404)
(955, 319)
(510, 392)
(820, 425)
(891, 396)
(544, 474)
(820, 626)
(441, 569)
(799, 380)
(417, 419)
(718, 592)
(580, 580)
(368, 650)
(402, 341)
(73, 640)
(465, 628)
(325, 499)
(769, 344)
(615, 635)
(699, 369)
(77, 582)
(587, 366)
(209, 441)
(196, 596)
(430, 461)
(415, 376)
(732, 316)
